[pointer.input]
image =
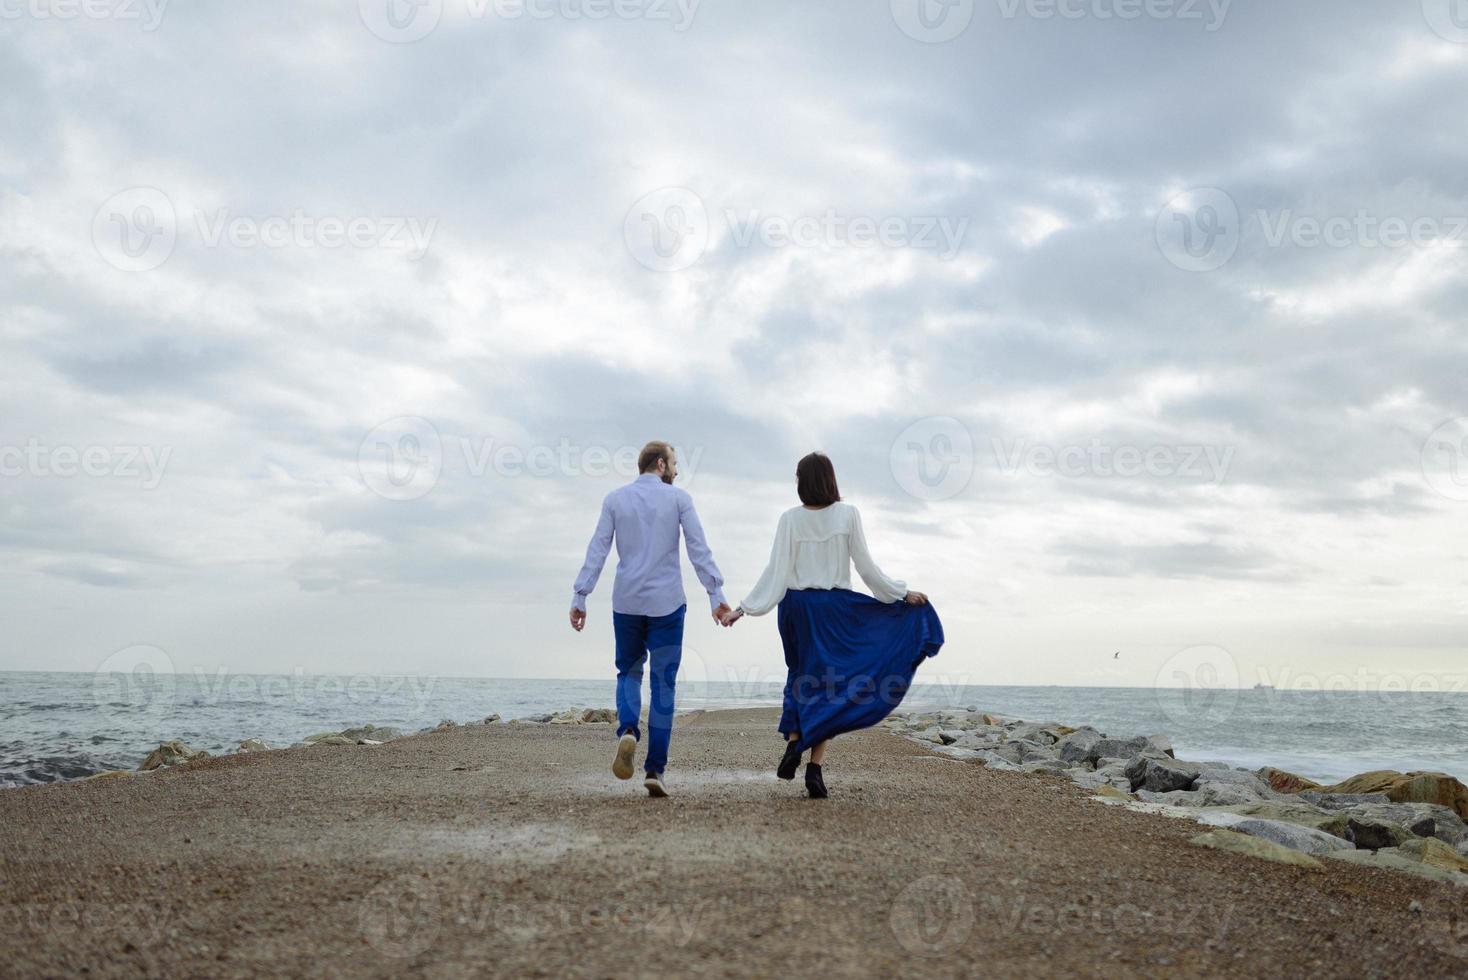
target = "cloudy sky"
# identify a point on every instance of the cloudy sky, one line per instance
(325, 326)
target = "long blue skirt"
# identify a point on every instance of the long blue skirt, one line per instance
(851, 659)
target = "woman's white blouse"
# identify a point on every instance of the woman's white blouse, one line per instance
(815, 549)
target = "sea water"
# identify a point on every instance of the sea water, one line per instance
(56, 726)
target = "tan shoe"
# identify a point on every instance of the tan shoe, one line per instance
(654, 784)
(622, 763)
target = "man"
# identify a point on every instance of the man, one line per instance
(648, 604)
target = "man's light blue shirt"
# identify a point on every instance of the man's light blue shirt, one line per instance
(644, 518)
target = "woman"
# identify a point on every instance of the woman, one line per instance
(851, 657)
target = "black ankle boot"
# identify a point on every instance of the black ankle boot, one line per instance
(790, 761)
(814, 784)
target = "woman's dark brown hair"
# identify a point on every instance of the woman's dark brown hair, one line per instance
(815, 481)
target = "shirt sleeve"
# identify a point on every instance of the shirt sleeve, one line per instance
(699, 552)
(770, 588)
(596, 557)
(883, 588)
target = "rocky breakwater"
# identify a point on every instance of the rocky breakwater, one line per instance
(1412, 822)
(177, 753)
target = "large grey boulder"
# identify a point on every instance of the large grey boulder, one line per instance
(1373, 835)
(978, 742)
(1162, 775)
(1037, 731)
(1212, 792)
(1341, 801)
(1293, 836)
(1079, 746)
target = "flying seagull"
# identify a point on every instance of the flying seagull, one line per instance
(1116, 656)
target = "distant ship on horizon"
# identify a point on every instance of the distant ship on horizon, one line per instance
(1263, 687)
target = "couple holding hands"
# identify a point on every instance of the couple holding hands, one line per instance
(850, 657)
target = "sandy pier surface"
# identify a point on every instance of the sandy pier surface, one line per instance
(510, 850)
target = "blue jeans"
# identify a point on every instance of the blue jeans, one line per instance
(662, 638)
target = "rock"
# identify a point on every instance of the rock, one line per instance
(597, 716)
(1212, 792)
(1447, 826)
(1113, 776)
(1411, 787)
(988, 719)
(1394, 860)
(1162, 775)
(1463, 848)
(1043, 731)
(1079, 746)
(373, 732)
(1044, 765)
(996, 761)
(1373, 835)
(110, 774)
(977, 742)
(1432, 851)
(950, 735)
(330, 739)
(1290, 835)
(1112, 793)
(492, 719)
(1178, 797)
(1424, 826)
(446, 724)
(926, 735)
(1286, 782)
(1341, 801)
(253, 745)
(1257, 847)
(170, 753)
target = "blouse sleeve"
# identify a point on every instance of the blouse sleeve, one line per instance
(883, 588)
(770, 588)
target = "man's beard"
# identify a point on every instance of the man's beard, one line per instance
(668, 478)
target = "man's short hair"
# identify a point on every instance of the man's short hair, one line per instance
(647, 460)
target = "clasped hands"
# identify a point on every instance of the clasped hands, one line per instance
(725, 616)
